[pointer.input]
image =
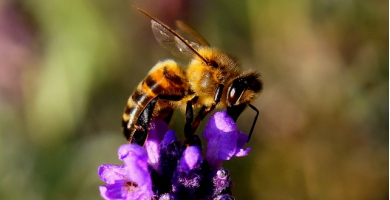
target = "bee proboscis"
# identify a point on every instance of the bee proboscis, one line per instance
(212, 79)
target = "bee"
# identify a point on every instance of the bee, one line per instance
(212, 80)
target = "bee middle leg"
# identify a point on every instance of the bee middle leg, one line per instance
(190, 137)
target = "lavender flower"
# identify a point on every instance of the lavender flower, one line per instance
(188, 174)
(166, 169)
(129, 181)
(223, 139)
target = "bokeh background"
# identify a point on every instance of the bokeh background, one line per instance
(68, 67)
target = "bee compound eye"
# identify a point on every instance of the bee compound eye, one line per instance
(236, 91)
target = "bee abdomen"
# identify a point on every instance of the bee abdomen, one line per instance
(164, 79)
(135, 105)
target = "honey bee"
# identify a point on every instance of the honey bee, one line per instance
(212, 80)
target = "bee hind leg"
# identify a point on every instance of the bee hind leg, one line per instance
(141, 130)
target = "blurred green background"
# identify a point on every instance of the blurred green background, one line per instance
(68, 67)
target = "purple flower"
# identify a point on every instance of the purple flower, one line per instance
(129, 181)
(223, 139)
(170, 153)
(157, 131)
(165, 168)
(188, 174)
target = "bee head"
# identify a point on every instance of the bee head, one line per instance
(243, 89)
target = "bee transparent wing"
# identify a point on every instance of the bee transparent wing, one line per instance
(191, 34)
(172, 42)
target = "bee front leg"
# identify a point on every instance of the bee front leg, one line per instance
(206, 110)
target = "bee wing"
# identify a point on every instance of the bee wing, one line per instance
(172, 41)
(192, 34)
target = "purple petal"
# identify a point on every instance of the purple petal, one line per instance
(242, 152)
(188, 175)
(169, 156)
(122, 189)
(168, 138)
(191, 158)
(131, 151)
(157, 131)
(242, 139)
(223, 139)
(113, 191)
(141, 193)
(133, 155)
(103, 191)
(219, 122)
(130, 181)
(227, 144)
(136, 162)
(111, 173)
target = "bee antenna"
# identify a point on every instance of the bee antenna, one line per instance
(254, 121)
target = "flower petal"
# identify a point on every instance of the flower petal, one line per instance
(157, 131)
(241, 141)
(130, 181)
(223, 139)
(219, 122)
(170, 154)
(227, 145)
(136, 162)
(113, 191)
(188, 175)
(132, 151)
(168, 138)
(191, 158)
(111, 173)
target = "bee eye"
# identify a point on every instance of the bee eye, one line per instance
(236, 90)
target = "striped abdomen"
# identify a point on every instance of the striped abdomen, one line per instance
(165, 81)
